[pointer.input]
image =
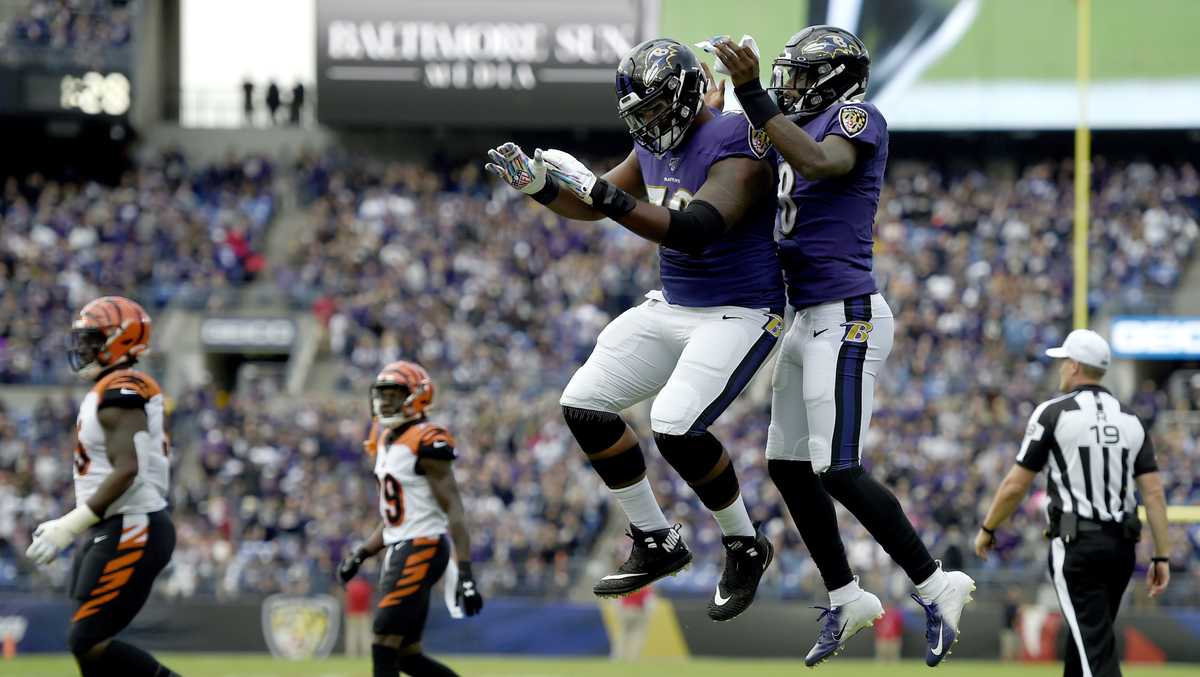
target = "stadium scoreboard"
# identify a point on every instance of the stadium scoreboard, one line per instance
(526, 63)
(48, 89)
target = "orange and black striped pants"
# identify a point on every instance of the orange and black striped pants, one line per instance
(410, 569)
(114, 569)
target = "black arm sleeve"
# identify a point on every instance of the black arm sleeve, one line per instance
(693, 228)
(1145, 461)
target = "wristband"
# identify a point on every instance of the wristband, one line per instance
(611, 201)
(547, 193)
(1156, 560)
(989, 532)
(79, 519)
(757, 104)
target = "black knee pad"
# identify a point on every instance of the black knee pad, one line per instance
(597, 432)
(860, 493)
(80, 644)
(594, 430)
(702, 462)
(841, 484)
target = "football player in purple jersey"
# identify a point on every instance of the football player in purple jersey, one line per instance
(832, 149)
(697, 183)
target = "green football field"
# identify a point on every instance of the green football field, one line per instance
(260, 666)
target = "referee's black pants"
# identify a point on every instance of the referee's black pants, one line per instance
(1090, 575)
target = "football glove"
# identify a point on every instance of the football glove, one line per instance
(589, 188)
(710, 46)
(571, 173)
(51, 537)
(511, 164)
(467, 596)
(350, 564)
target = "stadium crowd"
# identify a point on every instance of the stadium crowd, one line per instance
(81, 31)
(168, 231)
(502, 301)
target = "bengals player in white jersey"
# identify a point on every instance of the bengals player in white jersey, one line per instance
(418, 503)
(121, 473)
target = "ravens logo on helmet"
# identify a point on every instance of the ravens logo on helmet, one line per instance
(819, 66)
(659, 92)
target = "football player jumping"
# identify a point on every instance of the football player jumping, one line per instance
(832, 151)
(695, 183)
(121, 472)
(418, 502)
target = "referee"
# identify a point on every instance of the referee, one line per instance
(1094, 450)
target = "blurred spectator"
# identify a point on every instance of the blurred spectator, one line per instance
(633, 624)
(296, 104)
(358, 618)
(889, 634)
(273, 102)
(248, 101)
(1010, 637)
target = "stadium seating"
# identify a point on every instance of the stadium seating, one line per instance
(82, 32)
(502, 301)
(168, 231)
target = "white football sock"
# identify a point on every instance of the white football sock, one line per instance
(641, 507)
(845, 594)
(933, 586)
(734, 519)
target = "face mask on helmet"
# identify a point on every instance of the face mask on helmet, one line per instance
(389, 404)
(83, 350)
(799, 88)
(659, 123)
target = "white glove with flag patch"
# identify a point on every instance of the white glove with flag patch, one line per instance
(511, 163)
(51, 537)
(571, 173)
(710, 46)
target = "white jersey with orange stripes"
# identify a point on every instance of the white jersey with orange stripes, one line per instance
(406, 501)
(148, 493)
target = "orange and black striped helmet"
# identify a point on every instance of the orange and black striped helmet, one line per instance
(401, 393)
(110, 331)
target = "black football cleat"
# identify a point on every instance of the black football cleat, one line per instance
(746, 558)
(655, 554)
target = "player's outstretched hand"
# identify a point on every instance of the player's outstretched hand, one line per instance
(517, 169)
(571, 173)
(740, 60)
(466, 595)
(350, 565)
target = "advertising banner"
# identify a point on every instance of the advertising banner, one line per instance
(525, 63)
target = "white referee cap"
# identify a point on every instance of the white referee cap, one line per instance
(1084, 346)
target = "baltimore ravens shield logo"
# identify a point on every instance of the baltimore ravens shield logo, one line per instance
(300, 627)
(760, 143)
(853, 120)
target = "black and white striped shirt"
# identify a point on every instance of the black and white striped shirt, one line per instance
(1094, 449)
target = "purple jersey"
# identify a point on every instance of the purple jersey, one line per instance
(742, 267)
(825, 226)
